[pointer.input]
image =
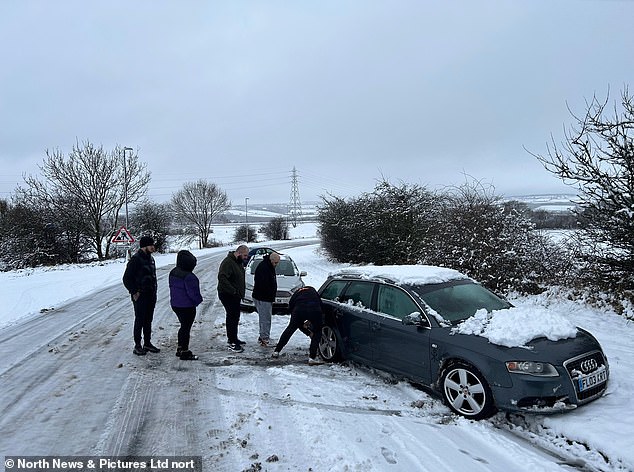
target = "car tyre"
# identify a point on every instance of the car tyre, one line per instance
(329, 345)
(466, 392)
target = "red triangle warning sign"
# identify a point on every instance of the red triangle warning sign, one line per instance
(123, 236)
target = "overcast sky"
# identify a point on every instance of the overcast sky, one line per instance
(347, 92)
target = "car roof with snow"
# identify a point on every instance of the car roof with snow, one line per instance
(259, 257)
(402, 274)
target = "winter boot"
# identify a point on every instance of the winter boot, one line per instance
(139, 351)
(188, 356)
(149, 347)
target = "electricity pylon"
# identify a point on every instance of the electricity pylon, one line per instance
(295, 205)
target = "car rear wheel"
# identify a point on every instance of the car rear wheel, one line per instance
(329, 348)
(466, 391)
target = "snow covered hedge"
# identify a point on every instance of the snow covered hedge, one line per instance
(466, 228)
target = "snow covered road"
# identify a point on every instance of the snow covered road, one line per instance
(71, 386)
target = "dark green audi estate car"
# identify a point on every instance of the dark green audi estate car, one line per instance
(403, 320)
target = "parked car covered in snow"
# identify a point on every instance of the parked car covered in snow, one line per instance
(289, 279)
(443, 330)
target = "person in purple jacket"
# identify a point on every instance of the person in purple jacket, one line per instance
(184, 297)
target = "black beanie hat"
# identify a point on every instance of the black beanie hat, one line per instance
(146, 241)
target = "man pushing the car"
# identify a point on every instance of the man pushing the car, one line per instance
(305, 306)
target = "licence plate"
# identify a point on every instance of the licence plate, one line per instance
(592, 380)
(281, 300)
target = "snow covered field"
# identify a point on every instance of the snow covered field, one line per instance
(249, 412)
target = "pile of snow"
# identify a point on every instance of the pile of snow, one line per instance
(517, 326)
(404, 274)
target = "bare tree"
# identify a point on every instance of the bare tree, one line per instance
(95, 181)
(199, 203)
(597, 158)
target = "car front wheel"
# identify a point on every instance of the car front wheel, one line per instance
(329, 348)
(466, 392)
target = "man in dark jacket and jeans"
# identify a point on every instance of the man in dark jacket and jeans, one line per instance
(140, 280)
(264, 291)
(231, 288)
(306, 315)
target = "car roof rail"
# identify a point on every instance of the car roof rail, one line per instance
(352, 274)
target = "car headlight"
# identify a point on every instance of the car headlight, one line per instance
(542, 369)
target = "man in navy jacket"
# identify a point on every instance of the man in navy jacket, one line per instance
(306, 315)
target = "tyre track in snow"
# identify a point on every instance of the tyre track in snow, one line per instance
(139, 422)
(70, 384)
(522, 428)
(62, 373)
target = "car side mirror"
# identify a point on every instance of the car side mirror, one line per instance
(415, 319)
(303, 273)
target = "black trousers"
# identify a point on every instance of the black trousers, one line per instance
(186, 317)
(232, 308)
(143, 316)
(297, 322)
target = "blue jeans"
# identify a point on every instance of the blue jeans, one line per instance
(265, 312)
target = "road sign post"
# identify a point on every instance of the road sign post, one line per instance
(123, 236)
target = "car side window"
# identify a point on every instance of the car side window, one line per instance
(359, 294)
(333, 290)
(395, 302)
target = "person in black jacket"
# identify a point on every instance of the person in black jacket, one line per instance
(264, 291)
(140, 280)
(185, 296)
(306, 315)
(231, 288)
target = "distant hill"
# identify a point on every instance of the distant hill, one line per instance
(563, 203)
(263, 212)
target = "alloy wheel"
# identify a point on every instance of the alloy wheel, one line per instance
(328, 348)
(466, 393)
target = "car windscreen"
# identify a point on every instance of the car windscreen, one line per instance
(285, 267)
(460, 299)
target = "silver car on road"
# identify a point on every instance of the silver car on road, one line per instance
(289, 279)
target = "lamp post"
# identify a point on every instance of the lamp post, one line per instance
(125, 194)
(125, 183)
(246, 216)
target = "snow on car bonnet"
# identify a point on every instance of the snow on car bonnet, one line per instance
(404, 274)
(515, 327)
